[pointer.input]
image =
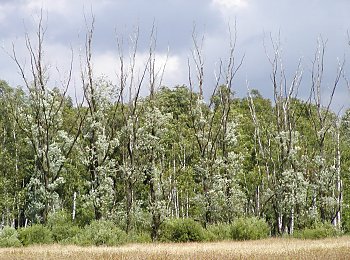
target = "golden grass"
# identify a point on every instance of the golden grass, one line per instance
(273, 248)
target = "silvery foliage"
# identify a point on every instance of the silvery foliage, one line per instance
(231, 137)
(41, 117)
(96, 151)
(291, 189)
(133, 171)
(155, 127)
(325, 185)
(147, 147)
(141, 219)
(151, 146)
(224, 197)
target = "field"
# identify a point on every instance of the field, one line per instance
(273, 248)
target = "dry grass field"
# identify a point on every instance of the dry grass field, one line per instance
(273, 248)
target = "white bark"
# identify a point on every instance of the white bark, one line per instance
(339, 182)
(291, 229)
(74, 205)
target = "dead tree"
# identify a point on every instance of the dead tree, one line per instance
(130, 86)
(209, 122)
(322, 120)
(41, 119)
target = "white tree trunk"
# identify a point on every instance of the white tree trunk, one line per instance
(258, 201)
(280, 223)
(74, 205)
(187, 205)
(339, 182)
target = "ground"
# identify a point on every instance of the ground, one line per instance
(273, 248)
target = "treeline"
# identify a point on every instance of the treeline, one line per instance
(173, 154)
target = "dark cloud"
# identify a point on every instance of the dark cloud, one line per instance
(299, 24)
(173, 20)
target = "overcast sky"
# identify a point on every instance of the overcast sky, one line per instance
(299, 23)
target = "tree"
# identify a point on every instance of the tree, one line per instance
(214, 131)
(40, 118)
(100, 136)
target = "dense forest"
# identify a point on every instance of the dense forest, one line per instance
(175, 153)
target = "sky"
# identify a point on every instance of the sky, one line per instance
(296, 23)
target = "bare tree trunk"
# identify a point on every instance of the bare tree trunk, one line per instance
(257, 206)
(129, 204)
(291, 228)
(337, 218)
(187, 205)
(74, 205)
(280, 222)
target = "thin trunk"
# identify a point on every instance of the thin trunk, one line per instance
(176, 197)
(187, 204)
(129, 202)
(257, 201)
(155, 213)
(177, 205)
(74, 205)
(279, 223)
(339, 186)
(47, 206)
(291, 228)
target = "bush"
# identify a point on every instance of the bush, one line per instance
(249, 229)
(181, 230)
(36, 234)
(139, 237)
(317, 231)
(218, 232)
(100, 233)
(9, 237)
(62, 227)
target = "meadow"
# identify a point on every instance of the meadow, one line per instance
(271, 248)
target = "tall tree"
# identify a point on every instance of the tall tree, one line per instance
(40, 119)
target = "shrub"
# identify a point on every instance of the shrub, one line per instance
(249, 229)
(62, 227)
(100, 233)
(36, 234)
(181, 230)
(9, 237)
(139, 237)
(218, 232)
(317, 231)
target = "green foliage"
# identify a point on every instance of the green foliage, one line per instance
(181, 230)
(168, 156)
(346, 222)
(139, 237)
(317, 231)
(85, 214)
(249, 229)
(99, 233)
(9, 237)
(219, 232)
(36, 234)
(62, 227)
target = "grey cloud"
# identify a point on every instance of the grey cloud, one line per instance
(174, 21)
(298, 22)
